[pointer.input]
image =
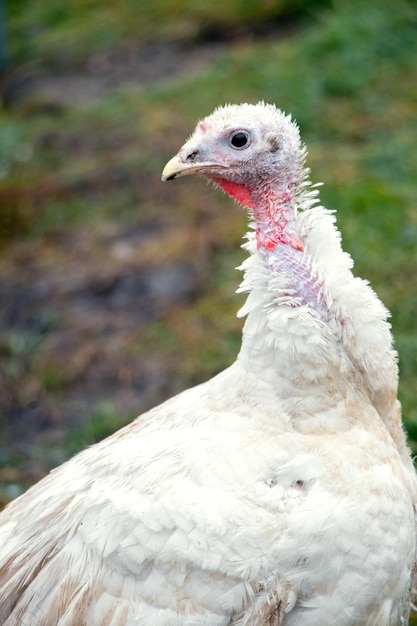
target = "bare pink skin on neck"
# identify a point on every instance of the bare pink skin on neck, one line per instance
(268, 212)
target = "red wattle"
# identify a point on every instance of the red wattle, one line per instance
(236, 190)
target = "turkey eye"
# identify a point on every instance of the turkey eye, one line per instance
(239, 140)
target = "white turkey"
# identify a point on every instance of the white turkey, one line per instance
(282, 491)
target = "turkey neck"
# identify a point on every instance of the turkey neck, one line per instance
(315, 335)
(275, 214)
(293, 339)
(288, 332)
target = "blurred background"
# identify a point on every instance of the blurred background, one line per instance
(116, 290)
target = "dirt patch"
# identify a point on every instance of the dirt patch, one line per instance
(71, 322)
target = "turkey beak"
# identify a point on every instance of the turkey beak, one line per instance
(191, 164)
(177, 167)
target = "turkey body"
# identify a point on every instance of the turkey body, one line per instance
(280, 492)
(218, 519)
